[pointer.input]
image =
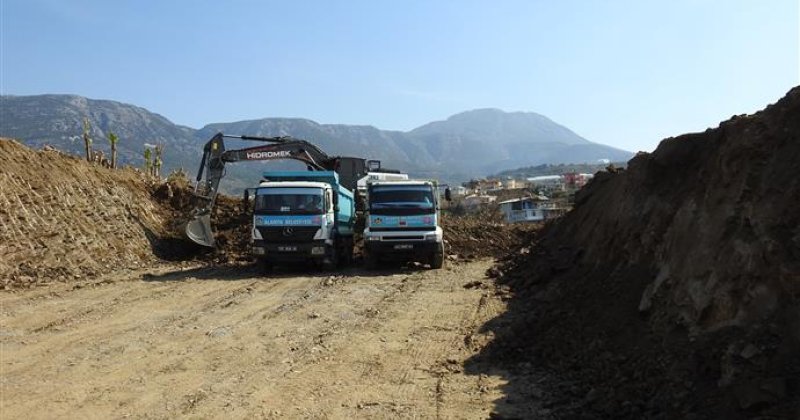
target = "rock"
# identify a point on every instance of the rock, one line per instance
(749, 351)
(749, 395)
(775, 387)
(219, 332)
(592, 395)
(474, 284)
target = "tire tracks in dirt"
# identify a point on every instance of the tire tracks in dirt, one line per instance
(211, 342)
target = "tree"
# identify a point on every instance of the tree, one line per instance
(157, 161)
(113, 139)
(148, 165)
(87, 140)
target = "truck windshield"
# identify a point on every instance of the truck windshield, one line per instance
(406, 199)
(289, 201)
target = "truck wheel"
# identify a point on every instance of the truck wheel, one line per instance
(264, 266)
(348, 254)
(330, 263)
(437, 259)
(370, 261)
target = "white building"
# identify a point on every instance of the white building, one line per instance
(547, 182)
(530, 209)
(474, 201)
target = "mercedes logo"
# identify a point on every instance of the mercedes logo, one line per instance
(288, 231)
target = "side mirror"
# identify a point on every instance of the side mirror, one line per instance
(246, 201)
(447, 194)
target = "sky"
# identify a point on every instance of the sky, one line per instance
(626, 73)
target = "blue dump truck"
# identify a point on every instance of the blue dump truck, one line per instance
(403, 223)
(302, 216)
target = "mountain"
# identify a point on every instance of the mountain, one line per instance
(57, 120)
(490, 140)
(466, 145)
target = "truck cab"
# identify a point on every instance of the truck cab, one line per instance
(402, 222)
(302, 217)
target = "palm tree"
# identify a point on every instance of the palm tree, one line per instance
(87, 140)
(148, 166)
(113, 139)
(157, 162)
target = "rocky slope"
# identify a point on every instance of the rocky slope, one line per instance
(62, 218)
(672, 289)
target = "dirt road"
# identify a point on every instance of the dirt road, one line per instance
(212, 342)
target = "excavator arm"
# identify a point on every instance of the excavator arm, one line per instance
(215, 156)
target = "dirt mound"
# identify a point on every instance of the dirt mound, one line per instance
(63, 218)
(671, 290)
(231, 224)
(483, 234)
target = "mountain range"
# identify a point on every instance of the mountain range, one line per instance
(466, 145)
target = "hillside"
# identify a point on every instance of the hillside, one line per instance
(57, 120)
(62, 218)
(560, 169)
(466, 145)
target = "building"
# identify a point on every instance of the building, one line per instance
(472, 202)
(530, 209)
(511, 183)
(547, 183)
(485, 185)
(458, 190)
(567, 182)
(576, 181)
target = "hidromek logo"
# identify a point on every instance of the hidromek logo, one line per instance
(269, 155)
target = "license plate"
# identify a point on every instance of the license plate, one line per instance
(287, 248)
(404, 246)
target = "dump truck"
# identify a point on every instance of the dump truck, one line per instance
(285, 226)
(402, 222)
(301, 216)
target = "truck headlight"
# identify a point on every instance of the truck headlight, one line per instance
(373, 238)
(257, 250)
(431, 237)
(318, 250)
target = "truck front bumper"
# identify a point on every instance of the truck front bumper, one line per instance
(403, 244)
(291, 252)
(402, 249)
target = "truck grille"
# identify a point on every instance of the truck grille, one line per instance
(403, 238)
(401, 229)
(288, 233)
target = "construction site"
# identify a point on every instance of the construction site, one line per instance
(670, 290)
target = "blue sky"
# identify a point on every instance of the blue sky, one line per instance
(621, 72)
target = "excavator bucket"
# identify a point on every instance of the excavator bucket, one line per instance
(199, 230)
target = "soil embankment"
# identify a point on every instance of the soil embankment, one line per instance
(62, 218)
(672, 289)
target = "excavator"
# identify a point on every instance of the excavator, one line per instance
(344, 172)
